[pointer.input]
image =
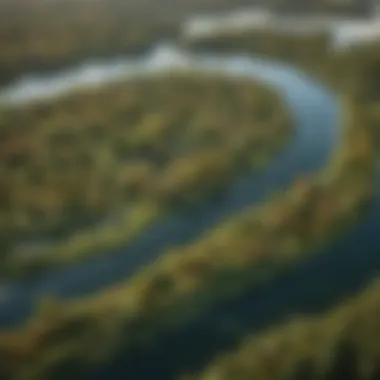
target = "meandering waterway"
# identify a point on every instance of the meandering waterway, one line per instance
(316, 135)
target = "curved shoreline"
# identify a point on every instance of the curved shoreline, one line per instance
(95, 274)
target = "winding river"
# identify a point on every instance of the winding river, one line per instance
(310, 286)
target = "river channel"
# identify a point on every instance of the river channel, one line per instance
(340, 270)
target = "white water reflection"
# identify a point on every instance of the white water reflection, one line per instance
(164, 57)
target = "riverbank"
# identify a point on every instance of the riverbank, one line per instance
(221, 263)
(144, 147)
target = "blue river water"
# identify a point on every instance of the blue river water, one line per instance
(313, 285)
(316, 135)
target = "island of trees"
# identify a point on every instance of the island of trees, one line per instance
(100, 165)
